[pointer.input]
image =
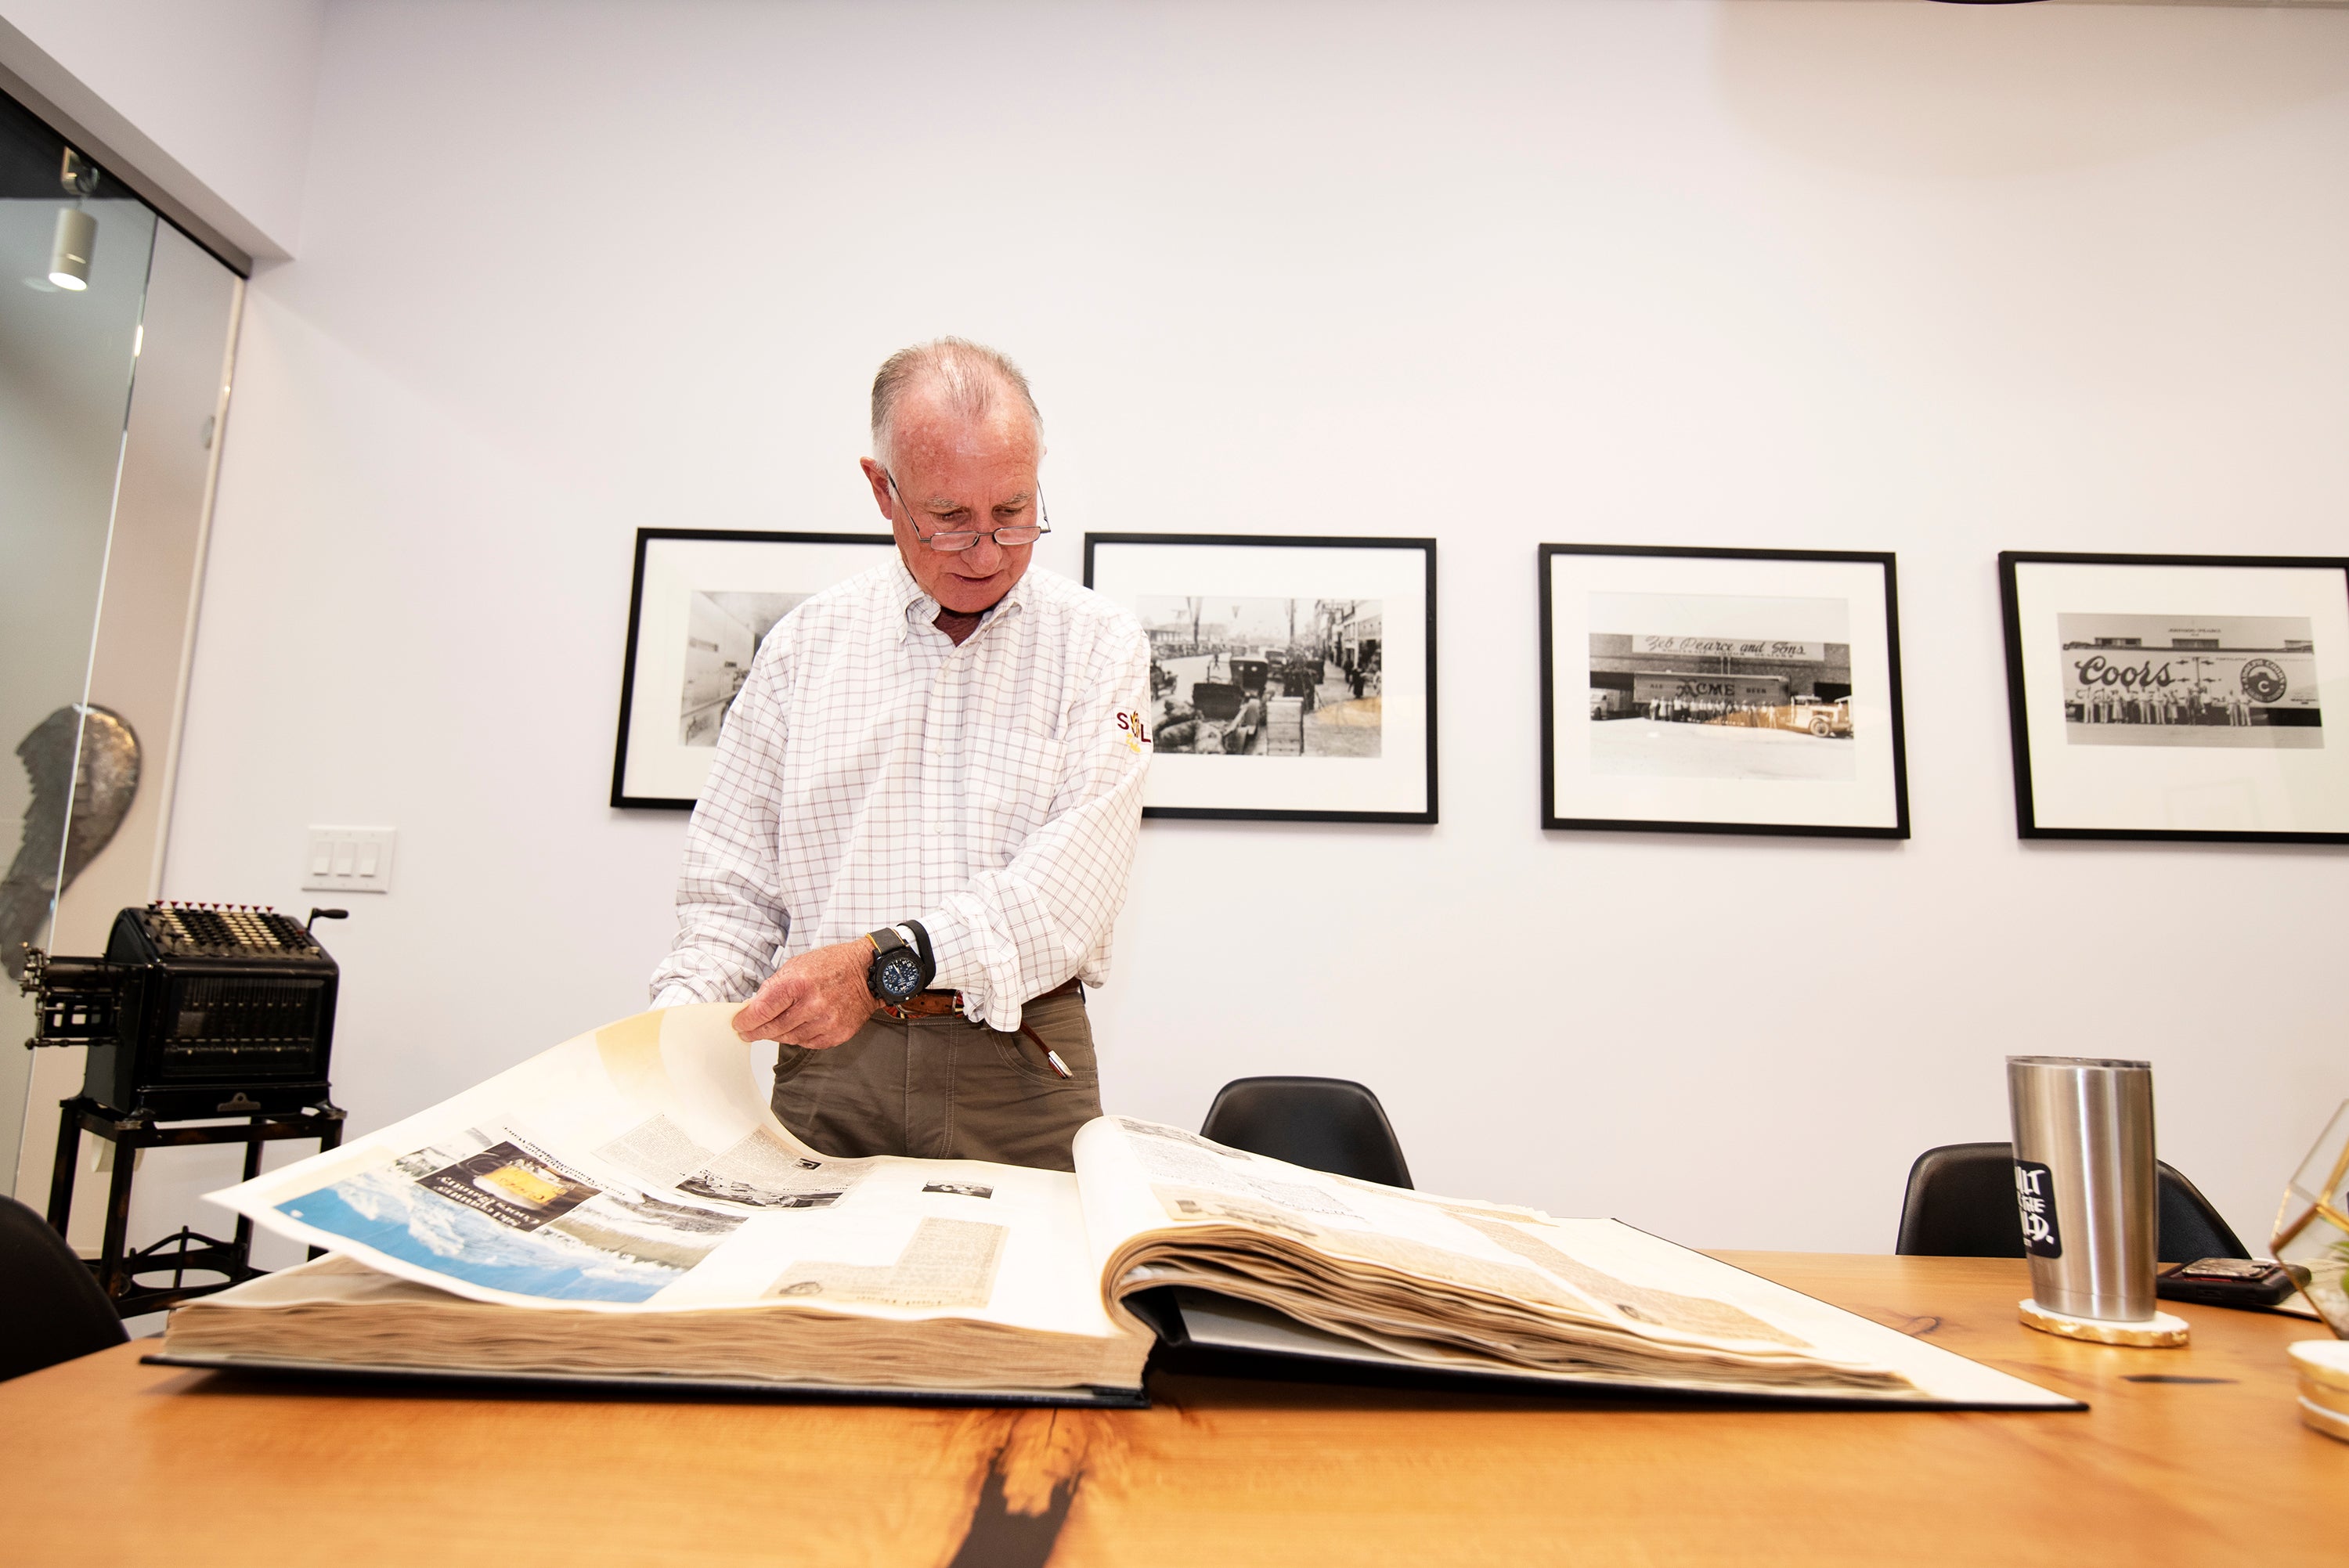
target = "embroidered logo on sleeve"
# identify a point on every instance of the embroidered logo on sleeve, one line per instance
(1137, 734)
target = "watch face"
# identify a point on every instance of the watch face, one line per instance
(899, 976)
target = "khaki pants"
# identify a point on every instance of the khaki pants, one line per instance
(946, 1088)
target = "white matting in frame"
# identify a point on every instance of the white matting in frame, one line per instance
(1359, 757)
(703, 600)
(1729, 691)
(2184, 698)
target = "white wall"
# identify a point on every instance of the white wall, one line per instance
(209, 99)
(1937, 279)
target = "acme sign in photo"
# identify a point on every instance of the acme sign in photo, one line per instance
(1768, 690)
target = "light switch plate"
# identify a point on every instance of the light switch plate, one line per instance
(348, 859)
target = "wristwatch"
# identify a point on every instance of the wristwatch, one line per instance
(899, 967)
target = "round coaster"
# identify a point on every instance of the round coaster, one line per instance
(2324, 1420)
(2160, 1332)
(2324, 1362)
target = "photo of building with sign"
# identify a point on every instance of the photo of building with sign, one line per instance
(1734, 708)
(2189, 680)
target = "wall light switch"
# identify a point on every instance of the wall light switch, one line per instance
(349, 860)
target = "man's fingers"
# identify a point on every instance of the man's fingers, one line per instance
(816, 1023)
(823, 1034)
(804, 1026)
(756, 1013)
(771, 1001)
(817, 1000)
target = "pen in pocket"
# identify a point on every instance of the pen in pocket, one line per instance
(1051, 1057)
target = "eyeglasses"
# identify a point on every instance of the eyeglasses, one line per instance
(953, 541)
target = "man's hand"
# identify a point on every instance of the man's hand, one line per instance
(817, 1000)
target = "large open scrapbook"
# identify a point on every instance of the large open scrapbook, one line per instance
(625, 1207)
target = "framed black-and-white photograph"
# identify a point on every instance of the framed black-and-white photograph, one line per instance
(2177, 696)
(703, 601)
(1721, 691)
(1291, 679)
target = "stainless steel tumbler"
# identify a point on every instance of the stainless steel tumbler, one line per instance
(2084, 1183)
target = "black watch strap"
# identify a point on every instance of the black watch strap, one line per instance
(922, 951)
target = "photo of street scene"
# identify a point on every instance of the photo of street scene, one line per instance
(1673, 704)
(1232, 675)
(2189, 680)
(722, 634)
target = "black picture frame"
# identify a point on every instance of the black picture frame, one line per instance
(2040, 794)
(1896, 761)
(1413, 775)
(632, 702)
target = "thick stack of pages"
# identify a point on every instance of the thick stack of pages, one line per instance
(626, 1206)
(337, 1311)
(1388, 1267)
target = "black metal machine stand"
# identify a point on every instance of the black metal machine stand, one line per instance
(188, 1251)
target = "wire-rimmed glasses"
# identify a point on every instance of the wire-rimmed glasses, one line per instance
(953, 541)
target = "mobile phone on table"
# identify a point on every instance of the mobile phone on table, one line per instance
(2228, 1282)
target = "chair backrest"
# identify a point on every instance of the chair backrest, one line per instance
(51, 1310)
(1326, 1124)
(1961, 1204)
(2191, 1225)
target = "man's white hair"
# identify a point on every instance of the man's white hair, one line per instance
(970, 375)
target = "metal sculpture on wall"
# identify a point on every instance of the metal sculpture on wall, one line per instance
(83, 762)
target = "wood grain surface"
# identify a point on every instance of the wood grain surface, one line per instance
(104, 1460)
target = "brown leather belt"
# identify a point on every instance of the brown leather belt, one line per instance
(948, 1005)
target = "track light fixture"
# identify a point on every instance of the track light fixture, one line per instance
(77, 235)
(70, 251)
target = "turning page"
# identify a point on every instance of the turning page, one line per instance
(638, 1169)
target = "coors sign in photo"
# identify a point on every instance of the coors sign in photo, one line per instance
(2189, 680)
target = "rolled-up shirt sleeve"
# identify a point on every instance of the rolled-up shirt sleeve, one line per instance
(1017, 931)
(730, 915)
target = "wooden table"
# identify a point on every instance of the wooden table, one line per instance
(105, 1460)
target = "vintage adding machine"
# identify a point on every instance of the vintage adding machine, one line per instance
(197, 1012)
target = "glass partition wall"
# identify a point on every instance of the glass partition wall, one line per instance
(114, 333)
(66, 355)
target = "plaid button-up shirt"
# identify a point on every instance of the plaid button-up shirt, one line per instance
(871, 772)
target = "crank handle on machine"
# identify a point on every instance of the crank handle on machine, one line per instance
(77, 998)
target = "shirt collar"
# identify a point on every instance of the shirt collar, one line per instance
(917, 608)
(904, 592)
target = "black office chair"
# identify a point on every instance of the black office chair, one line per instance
(1961, 1204)
(1327, 1124)
(51, 1310)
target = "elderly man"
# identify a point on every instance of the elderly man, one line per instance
(918, 831)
